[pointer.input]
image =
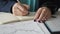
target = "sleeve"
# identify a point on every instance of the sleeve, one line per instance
(8, 6)
(52, 5)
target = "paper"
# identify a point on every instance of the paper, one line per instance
(54, 23)
(26, 27)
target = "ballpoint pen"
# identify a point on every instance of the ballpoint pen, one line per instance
(18, 1)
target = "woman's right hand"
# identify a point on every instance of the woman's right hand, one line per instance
(20, 10)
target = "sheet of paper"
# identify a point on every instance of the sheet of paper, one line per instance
(26, 27)
(43, 27)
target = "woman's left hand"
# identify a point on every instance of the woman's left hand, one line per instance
(42, 14)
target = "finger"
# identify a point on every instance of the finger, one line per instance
(13, 10)
(26, 6)
(48, 16)
(17, 12)
(44, 18)
(25, 11)
(22, 13)
(38, 13)
(21, 7)
(42, 15)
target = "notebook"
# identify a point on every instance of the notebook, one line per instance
(8, 17)
(20, 24)
(24, 27)
(53, 24)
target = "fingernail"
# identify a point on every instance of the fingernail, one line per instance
(34, 20)
(39, 21)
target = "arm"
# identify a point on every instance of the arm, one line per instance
(6, 5)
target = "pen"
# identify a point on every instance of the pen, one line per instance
(18, 1)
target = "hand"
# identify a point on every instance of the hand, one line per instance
(20, 10)
(42, 14)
